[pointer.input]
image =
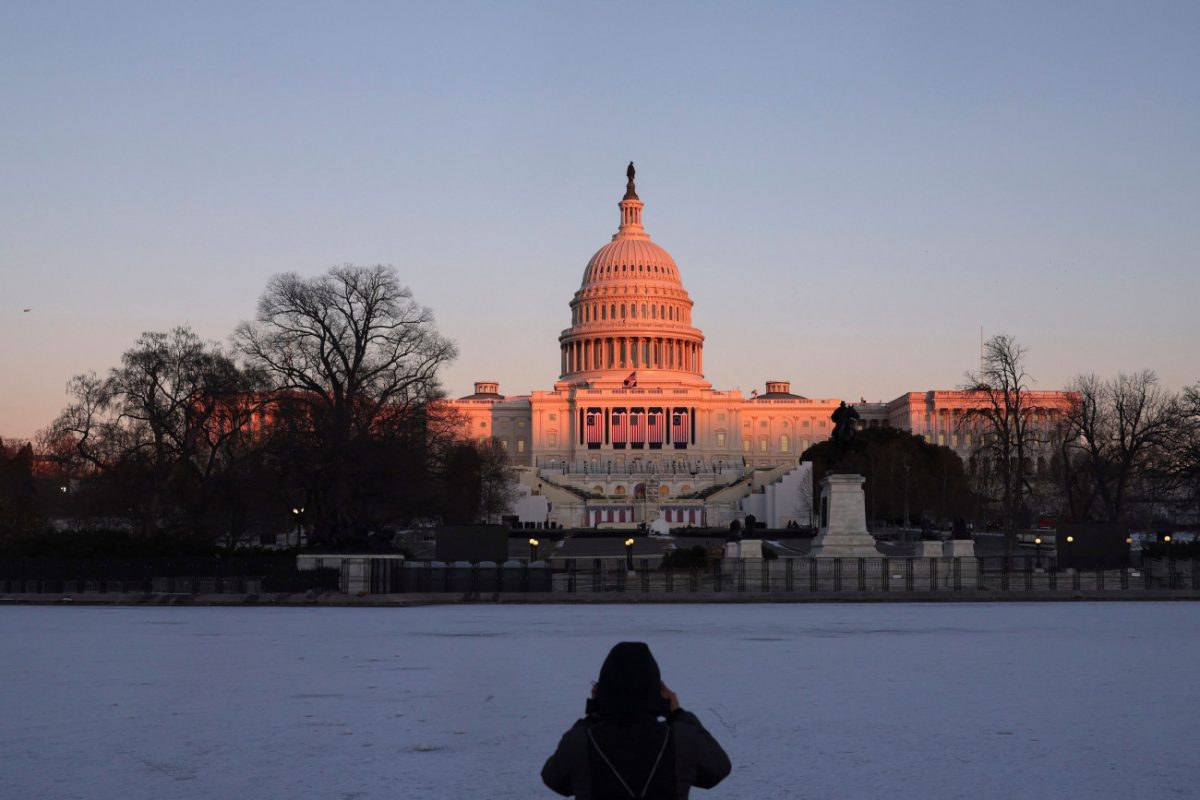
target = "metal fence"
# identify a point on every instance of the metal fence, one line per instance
(198, 575)
(790, 576)
(167, 585)
(389, 576)
(825, 576)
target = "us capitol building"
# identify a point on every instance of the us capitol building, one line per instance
(632, 432)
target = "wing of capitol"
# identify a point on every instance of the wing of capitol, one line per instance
(633, 434)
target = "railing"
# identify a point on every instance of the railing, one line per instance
(645, 466)
(890, 576)
(195, 575)
(877, 577)
(394, 577)
(169, 585)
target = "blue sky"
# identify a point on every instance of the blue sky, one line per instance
(850, 190)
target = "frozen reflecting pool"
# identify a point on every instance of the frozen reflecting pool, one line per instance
(824, 701)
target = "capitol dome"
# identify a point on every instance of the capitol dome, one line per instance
(626, 257)
(631, 320)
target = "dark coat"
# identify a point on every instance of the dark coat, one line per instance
(630, 746)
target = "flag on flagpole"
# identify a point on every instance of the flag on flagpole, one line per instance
(631, 381)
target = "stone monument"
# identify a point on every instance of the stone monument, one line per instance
(744, 548)
(843, 532)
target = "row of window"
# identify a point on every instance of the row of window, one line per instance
(503, 423)
(764, 444)
(803, 423)
(588, 312)
(952, 418)
(640, 490)
(609, 269)
(483, 440)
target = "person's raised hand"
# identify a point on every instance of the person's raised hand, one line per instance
(668, 695)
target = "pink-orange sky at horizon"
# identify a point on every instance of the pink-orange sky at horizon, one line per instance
(851, 193)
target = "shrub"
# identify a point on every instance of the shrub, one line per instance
(691, 558)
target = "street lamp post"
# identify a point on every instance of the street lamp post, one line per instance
(629, 554)
(1170, 563)
(533, 549)
(1037, 548)
(298, 512)
(1070, 558)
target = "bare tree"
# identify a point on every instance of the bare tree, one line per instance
(1118, 437)
(1185, 452)
(803, 506)
(161, 425)
(1003, 430)
(498, 480)
(354, 351)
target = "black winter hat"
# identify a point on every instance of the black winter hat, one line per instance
(629, 680)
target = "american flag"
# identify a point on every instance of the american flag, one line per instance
(631, 381)
(595, 428)
(637, 429)
(679, 426)
(655, 427)
(619, 432)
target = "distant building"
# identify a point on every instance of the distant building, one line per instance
(632, 432)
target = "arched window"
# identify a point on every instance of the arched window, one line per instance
(643, 310)
(619, 491)
(622, 311)
(603, 315)
(612, 310)
(653, 312)
(785, 443)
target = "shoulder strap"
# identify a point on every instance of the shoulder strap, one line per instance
(658, 760)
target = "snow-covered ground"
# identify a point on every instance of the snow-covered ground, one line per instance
(1072, 700)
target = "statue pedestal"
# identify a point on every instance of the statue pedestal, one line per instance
(926, 549)
(843, 532)
(746, 548)
(958, 548)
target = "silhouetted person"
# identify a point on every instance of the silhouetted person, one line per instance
(635, 740)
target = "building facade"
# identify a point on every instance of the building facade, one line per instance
(632, 432)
